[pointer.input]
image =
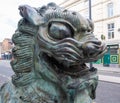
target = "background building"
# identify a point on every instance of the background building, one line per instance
(106, 17)
(5, 48)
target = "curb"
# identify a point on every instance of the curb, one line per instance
(118, 72)
(110, 79)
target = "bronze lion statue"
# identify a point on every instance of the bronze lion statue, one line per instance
(52, 45)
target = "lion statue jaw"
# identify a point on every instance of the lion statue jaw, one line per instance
(52, 46)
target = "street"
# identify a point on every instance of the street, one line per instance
(5, 71)
(107, 92)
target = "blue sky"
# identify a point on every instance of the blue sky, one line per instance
(9, 14)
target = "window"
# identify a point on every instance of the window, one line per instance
(113, 51)
(110, 9)
(110, 31)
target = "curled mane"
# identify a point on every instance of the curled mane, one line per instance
(23, 52)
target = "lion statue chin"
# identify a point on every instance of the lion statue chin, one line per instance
(52, 45)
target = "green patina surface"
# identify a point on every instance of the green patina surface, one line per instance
(52, 46)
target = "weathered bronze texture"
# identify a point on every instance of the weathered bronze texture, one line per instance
(52, 45)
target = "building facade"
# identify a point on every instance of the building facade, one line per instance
(106, 17)
(5, 48)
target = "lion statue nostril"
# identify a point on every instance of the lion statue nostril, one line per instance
(93, 48)
(98, 42)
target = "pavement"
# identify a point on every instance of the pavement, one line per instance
(106, 78)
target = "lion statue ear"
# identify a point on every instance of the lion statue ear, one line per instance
(30, 14)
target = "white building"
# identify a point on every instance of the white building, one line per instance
(106, 17)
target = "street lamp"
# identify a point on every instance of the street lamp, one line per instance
(90, 9)
(90, 17)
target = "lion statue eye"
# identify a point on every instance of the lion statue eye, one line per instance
(59, 30)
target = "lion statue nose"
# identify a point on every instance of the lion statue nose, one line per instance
(93, 48)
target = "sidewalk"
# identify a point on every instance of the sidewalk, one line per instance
(100, 67)
(106, 78)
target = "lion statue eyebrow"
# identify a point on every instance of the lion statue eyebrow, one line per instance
(52, 45)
